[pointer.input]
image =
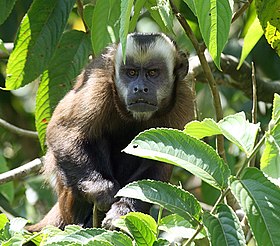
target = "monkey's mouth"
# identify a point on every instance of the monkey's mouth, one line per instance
(142, 105)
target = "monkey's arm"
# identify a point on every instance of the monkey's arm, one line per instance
(76, 142)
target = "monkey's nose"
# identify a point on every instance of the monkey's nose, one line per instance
(140, 89)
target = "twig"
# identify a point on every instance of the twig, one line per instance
(22, 171)
(17, 130)
(208, 75)
(240, 11)
(254, 108)
(230, 77)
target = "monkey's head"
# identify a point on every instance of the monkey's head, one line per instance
(146, 81)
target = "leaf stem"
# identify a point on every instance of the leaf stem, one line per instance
(159, 218)
(249, 158)
(208, 74)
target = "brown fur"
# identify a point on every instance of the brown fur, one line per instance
(93, 115)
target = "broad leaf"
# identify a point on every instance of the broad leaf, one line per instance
(224, 227)
(3, 220)
(269, 18)
(6, 9)
(93, 236)
(259, 198)
(168, 196)
(176, 226)
(126, 7)
(240, 131)
(235, 128)
(191, 5)
(154, 12)
(179, 149)
(104, 28)
(206, 128)
(276, 108)
(252, 36)
(270, 158)
(214, 18)
(165, 13)
(136, 13)
(142, 228)
(69, 59)
(37, 40)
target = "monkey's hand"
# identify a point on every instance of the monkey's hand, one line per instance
(100, 192)
(118, 209)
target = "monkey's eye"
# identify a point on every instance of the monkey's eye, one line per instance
(152, 73)
(131, 73)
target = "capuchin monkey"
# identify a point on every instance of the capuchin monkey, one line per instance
(110, 104)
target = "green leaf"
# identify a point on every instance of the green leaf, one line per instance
(240, 131)
(6, 9)
(270, 158)
(166, 195)
(161, 242)
(37, 40)
(126, 7)
(104, 28)
(70, 57)
(176, 226)
(88, 14)
(259, 198)
(179, 149)
(3, 220)
(269, 19)
(224, 227)
(79, 236)
(235, 128)
(276, 108)
(114, 237)
(165, 13)
(191, 5)
(7, 189)
(139, 4)
(154, 12)
(252, 36)
(214, 18)
(142, 227)
(206, 128)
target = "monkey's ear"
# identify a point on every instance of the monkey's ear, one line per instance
(182, 65)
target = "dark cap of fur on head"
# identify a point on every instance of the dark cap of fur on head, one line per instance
(142, 46)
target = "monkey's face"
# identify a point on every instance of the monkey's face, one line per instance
(145, 82)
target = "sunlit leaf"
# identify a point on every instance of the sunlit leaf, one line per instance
(214, 18)
(168, 196)
(179, 149)
(269, 14)
(69, 59)
(252, 36)
(37, 40)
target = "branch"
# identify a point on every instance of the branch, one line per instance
(22, 171)
(17, 130)
(230, 77)
(208, 74)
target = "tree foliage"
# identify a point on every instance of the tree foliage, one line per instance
(48, 50)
